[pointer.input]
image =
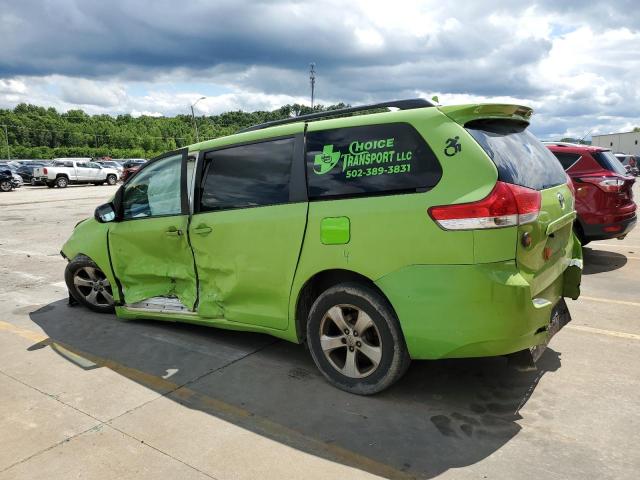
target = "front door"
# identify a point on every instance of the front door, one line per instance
(149, 247)
(247, 230)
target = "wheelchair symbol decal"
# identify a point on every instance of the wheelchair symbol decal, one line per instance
(453, 147)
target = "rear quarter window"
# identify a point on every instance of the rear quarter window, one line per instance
(521, 159)
(369, 160)
(609, 161)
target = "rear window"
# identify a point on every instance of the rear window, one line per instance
(609, 161)
(518, 155)
(567, 160)
(63, 164)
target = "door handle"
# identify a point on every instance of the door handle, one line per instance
(202, 230)
(174, 232)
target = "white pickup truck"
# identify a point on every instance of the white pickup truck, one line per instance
(65, 171)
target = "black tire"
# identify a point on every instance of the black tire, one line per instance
(5, 186)
(580, 234)
(62, 182)
(112, 179)
(384, 334)
(33, 182)
(79, 274)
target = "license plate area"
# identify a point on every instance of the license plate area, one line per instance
(560, 316)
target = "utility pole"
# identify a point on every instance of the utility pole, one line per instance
(6, 139)
(312, 78)
(193, 116)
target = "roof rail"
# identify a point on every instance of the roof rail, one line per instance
(566, 144)
(400, 104)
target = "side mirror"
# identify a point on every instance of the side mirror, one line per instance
(105, 213)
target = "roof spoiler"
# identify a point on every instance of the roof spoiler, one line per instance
(463, 114)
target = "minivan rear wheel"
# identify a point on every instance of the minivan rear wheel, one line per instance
(355, 339)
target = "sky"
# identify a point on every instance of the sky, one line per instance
(576, 63)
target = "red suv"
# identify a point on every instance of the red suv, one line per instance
(604, 199)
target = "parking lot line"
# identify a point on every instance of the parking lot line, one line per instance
(600, 331)
(22, 332)
(608, 300)
(615, 246)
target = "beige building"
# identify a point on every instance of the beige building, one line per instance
(626, 142)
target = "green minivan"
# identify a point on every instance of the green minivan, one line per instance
(424, 232)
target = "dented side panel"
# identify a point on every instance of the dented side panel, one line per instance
(151, 257)
(247, 261)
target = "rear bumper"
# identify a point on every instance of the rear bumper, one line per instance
(609, 230)
(455, 311)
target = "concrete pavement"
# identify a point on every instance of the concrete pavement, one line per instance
(89, 396)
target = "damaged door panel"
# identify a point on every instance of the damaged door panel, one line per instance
(150, 251)
(247, 232)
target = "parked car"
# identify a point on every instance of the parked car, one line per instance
(604, 194)
(7, 181)
(423, 233)
(26, 172)
(111, 164)
(14, 173)
(630, 163)
(65, 171)
(130, 167)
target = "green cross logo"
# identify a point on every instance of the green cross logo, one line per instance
(325, 161)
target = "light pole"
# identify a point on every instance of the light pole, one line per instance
(312, 79)
(193, 116)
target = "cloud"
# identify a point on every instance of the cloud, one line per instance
(575, 63)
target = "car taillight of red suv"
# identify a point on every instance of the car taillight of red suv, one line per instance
(604, 196)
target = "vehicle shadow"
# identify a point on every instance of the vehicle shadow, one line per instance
(600, 261)
(441, 415)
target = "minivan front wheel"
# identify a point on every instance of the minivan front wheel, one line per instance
(89, 285)
(355, 339)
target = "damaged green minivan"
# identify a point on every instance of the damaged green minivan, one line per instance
(425, 232)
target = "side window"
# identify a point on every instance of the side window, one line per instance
(367, 160)
(155, 191)
(567, 159)
(247, 175)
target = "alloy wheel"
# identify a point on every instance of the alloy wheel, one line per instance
(350, 341)
(94, 286)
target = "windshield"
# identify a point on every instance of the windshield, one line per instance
(609, 161)
(518, 155)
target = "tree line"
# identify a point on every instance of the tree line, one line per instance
(39, 132)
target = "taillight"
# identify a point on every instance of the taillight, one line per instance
(606, 184)
(44, 171)
(507, 205)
